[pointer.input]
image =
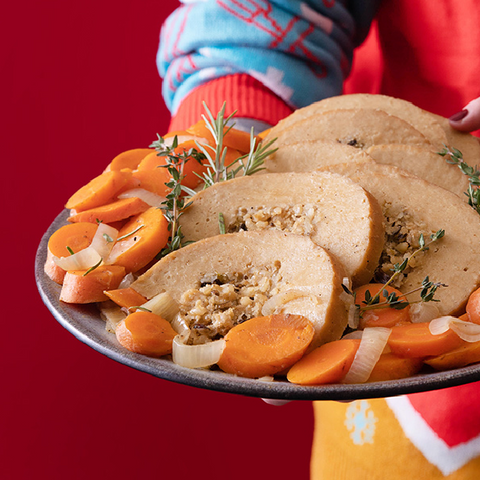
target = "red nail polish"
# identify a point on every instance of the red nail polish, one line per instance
(459, 116)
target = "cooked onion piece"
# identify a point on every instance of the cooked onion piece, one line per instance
(467, 331)
(196, 356)
(163, 305)
(104, 239)
(371, 347)
(82, 260)
(149, 198)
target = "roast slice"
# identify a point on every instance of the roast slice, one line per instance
(420, 119)
(426, 208)
(357, 127)
(332, 210)
(303, 277)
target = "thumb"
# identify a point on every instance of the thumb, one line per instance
(468, 119)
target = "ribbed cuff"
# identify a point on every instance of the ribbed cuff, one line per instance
(242, 92)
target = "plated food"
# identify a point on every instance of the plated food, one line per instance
(323, 261)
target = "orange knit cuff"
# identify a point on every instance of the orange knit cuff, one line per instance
(241, 92)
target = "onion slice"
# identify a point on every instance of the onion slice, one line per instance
(467, 331)
(197, 356)
(82, 260)
(163, 305)
(146, 196)
(104, 239)
(371, 347)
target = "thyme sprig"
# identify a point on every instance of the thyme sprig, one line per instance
(175, 202)
(455, 157)
(427, 288)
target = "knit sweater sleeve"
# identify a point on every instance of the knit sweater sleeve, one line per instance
(300, 51)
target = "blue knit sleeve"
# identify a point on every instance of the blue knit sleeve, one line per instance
(301, 50)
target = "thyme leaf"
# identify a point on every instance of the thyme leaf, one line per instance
(427, 288)
(454, 156)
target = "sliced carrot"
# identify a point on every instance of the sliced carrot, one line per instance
(263, 134)
(145, 236)
(75, 237)
(80, 286)
(415, 340)
(380, 317)
(126, 297)
(328, 363)
(234, 138)
(393, 367)
(265, 345)
(459, 357)
(473, 307)
(112, 212)
(128, 159)
(100, 190)
(146, 333)
(199, 129)
(153, 175)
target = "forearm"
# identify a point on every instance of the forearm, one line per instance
(298, 52)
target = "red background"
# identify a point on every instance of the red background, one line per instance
(80, 85)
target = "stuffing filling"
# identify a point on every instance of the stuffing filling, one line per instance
(295, 219)
(222, 301)
(402, 235)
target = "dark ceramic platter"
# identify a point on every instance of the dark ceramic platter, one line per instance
(85, 324)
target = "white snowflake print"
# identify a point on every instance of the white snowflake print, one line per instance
(360, 422)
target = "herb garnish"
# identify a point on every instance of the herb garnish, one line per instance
(217, 171)
(398, 302)
(455, 157)
(175, 202)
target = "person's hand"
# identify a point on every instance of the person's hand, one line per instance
(468, 119)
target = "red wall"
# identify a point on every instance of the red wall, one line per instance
(80, 85)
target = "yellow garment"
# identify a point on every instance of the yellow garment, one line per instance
(363, 440)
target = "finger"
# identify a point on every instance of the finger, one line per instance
(277, 403)
(468, 119)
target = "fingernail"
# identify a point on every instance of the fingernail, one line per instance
(459, 116)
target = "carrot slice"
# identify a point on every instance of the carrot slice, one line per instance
(146, 333)
(100, 190)
(459, 357)
(82, 287)
(393, 367)
(112, 212)
(126, 297)
(328, 363)
(153, 175)
(75, 237)
(473, 307)
(128, 159)
(265, 345)
(144, 237)
(415, 340)
(381, 317)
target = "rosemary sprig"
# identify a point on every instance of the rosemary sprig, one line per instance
(221, 223)
(455, 157)
(217, 171)
(133, 232)
(427, 288)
